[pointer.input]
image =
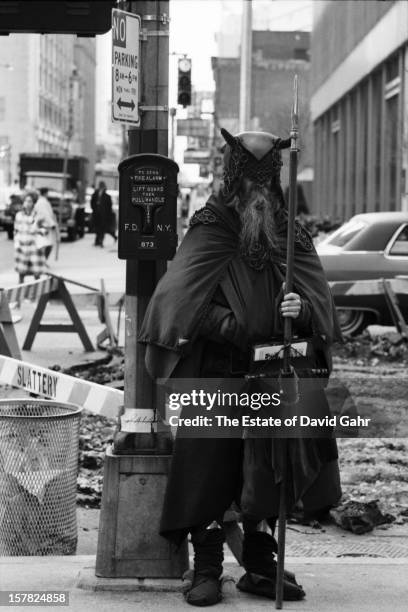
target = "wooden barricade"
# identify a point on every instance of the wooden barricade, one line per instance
(98, 399)
(388, 287)
(8, 339)
(57, 292)
(104, 316)
(43, 290)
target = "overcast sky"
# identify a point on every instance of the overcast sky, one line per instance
(194, 24)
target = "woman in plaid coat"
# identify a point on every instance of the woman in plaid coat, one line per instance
(29, 260)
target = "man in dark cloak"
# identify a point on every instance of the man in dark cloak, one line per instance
(223, 293)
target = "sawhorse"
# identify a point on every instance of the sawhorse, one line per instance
(8, 339)
(58, 292)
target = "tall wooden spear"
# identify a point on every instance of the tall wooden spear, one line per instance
(288, 379)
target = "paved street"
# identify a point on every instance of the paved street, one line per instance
(6, 253)
(84, 263)
(351, 585)
(78, 260)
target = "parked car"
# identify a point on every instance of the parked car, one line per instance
(8, 214)
(368, 246)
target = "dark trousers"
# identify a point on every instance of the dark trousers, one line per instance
(100, 236)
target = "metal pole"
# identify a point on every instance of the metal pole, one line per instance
(64, 188)
(246, 65)
(173, 112)
(150, 137)
(288, 371)
(70, 131)
(129, 543)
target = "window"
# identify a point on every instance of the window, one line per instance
(301, 54)
(400, 244)
(377, 114)
(345, 233)
(393, 125)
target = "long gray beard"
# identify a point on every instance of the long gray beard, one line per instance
(257, 222)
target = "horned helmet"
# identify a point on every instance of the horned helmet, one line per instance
(256, 155)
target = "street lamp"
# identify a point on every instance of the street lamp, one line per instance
(73, 83)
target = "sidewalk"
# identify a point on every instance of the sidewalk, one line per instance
(332, 585)
(79, 261)
(63, 349)
(82, 262)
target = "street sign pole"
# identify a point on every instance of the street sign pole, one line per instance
(129, 543)
(151, 136)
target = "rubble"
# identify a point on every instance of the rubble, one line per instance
(359, 517)
(373, 350)
(376, 469)
(371, 468)
(96, 432)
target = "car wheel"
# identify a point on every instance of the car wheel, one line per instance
(10, 233)
(353, 322)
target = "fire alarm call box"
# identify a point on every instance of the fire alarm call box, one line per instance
(147, 207)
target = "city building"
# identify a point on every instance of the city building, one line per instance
(276, 58)
(48, 83)
(110, 136)
(359, 106)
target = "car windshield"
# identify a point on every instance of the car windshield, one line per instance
(346, 232)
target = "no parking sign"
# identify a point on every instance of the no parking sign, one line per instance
(125, 67)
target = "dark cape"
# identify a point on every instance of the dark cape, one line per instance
(207, 474)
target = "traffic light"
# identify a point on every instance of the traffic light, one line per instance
(57, 17)
(184, 82)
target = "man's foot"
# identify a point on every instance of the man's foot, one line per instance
(266, 587)
(261, 567)
(205, 589)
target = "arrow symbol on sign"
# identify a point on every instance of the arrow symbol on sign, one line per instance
(123, 104)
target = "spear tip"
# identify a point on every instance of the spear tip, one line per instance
(295, 107)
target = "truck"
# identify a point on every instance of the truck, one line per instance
(66, 191)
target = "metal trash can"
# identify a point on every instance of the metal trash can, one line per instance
(38, 472)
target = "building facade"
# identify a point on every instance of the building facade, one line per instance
(276, 57)
(48, 81)
(359, 106)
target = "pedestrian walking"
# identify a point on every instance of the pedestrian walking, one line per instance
(103, 217)
(29, 259)
(47, 224)
(221, 297)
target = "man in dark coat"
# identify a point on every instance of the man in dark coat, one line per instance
(222, 294)
(102, 214)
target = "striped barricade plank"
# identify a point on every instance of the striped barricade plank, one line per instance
(30, 291)
(368, 287)
(98, 399)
